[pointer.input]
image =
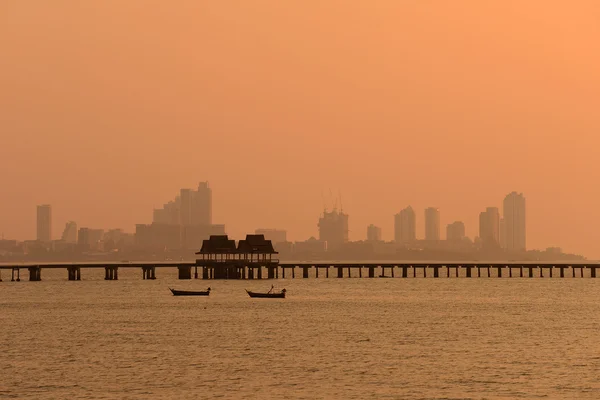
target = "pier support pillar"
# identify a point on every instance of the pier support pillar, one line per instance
(414, 271)
(499, 272)
(204, 272)
(447, 272)
(531, 272)
(424, 272)
(340, 272)
(305, 272)
(360, 272)
(593, 271)
(151, 272)
(18, 275)
(521, 271)
(270, 273)
(562, 272)
(371, 272)
(293, 272)
(404, 271)
(488, 269)
(259, 272)
(35, 274)
(111, 273)
(550, 271)
(74, 273)
(250, 273)
(468, 271)
(317, 271)
(196, 272)
(436, 272)
(283, 272)
(327, 272)
(392, 268)
(509, 271)
(184, 272)
(349, 274)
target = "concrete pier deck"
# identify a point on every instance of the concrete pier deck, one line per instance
(242, 269)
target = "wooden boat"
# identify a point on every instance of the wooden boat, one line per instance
(268, 295)
(190, 293)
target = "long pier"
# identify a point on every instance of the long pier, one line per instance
(238, 269)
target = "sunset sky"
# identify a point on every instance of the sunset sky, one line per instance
(108, 108)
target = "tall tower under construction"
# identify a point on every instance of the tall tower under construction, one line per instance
(333, 228)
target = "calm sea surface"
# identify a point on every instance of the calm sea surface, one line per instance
(331, 338)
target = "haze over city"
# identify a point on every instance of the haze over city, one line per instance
(107, 109)
(282, 199)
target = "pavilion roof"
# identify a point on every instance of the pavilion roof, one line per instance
(255, 244)
(218, 244)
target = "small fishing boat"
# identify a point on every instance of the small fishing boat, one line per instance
(189, 292)
(269, 295)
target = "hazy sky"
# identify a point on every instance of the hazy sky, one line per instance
(108, 107)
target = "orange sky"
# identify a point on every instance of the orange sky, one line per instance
(108, 107)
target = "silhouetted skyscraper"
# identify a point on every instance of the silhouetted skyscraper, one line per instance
(44, 223)
(373, 233)
(489, 227)
(432, 223)
(185, 212)
(333, 228)
(455, 232)
(405, 226)
(502, 230)
(69, 235)
(514, 221)
(202, 205)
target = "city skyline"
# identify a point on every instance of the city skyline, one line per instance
(333, 225)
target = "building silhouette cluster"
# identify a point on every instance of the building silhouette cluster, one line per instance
(182, 224)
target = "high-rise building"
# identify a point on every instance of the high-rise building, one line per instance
(373, 233)
(185, 213)
(274, 235)
(515, 222)
(161, 216)
(502, 233)
(190, 208)
(90, 239)
(489, 227)
(69, 235)
(44, 223)
(455, 232)
(405, 226)
(202, 205)
(432, 223)
(333, 228)
(187, 220)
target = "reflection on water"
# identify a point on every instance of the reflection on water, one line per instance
(346, 339)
